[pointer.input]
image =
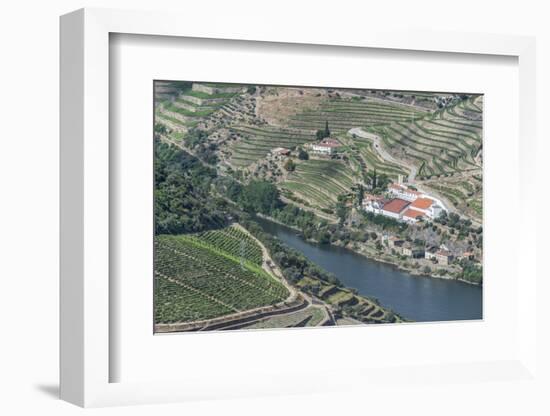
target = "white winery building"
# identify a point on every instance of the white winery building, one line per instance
(326, 146)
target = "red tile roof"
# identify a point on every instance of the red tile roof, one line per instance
(412, 213)
(329, 143)
(396, 205)
(422, 203)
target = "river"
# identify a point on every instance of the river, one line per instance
(416, 298)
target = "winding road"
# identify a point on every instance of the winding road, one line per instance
(270, 266)
(358, 131)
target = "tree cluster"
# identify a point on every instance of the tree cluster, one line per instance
(293, 263)
(182, 193)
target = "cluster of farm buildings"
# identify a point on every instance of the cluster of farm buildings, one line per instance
(401, 203)
(409, 205)
(405, 204)
(441, 255)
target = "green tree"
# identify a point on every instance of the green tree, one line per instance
(182, 193)
(290, 165)
(260, 196)
(321, 134)
(372, 179)
(160, 128)
(358, 193)
(302, 154)
(382, 181)
(327, 130)
(342, 210)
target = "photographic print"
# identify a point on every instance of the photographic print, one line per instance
(294, 207)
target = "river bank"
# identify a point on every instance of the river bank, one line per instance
(414, 272)
(395, 262)
(420, 299)
(268, 218)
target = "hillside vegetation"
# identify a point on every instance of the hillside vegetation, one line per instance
(311, 159)
(434, 139)
(207, 275)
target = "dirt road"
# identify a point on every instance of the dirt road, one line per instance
(270, 266)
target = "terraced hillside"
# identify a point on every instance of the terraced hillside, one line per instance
(185, 105)
(444, 143)
(166, 90)
(208, 275)
(256, 141)
(344, 114)
(319, 182)
(464, 192)
(217, 162)
(340, 298)
(363, 157)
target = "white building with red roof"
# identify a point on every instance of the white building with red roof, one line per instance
(326, 146)
(422, 208)
(412, 216)
(431, 207)
(409, 205)
(395, 208)
(428, 206)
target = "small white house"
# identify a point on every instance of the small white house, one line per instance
(326, 146)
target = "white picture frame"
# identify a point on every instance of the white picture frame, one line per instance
(85, 209)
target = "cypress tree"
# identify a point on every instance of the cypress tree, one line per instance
(327, 131)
